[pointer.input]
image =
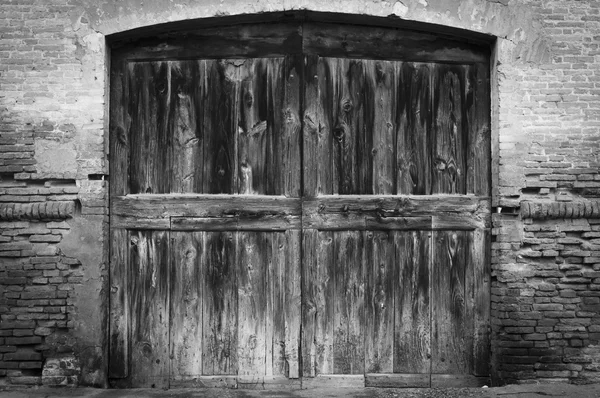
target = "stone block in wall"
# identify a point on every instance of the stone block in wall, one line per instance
(63, 371)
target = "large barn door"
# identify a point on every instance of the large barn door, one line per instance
(396, 221)
(205, 221)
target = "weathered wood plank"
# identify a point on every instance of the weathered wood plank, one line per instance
(334, 381)
(140, 223)
(458, 381)
(149, 298)
(262, 223)
(150, 144)
(220, 304)
(219, 124)
(318, 298)
(398, 223)
(352, 146)
(252, 40)
(255, 132)
(187, 289)
(412, 336)
(381, 78)
(379, 301)
(119, 127)
(460, 222)
(413, 120)
(404, 380)
(313, 132)
(451, 337)
(292, 303)
(253, 257)
(289, 162)
(348, 317)
(355, 41)
(119, 304)
(479, 257)
(449, 132)
(184, 111)
(285, 308)
(165, 206)
(479, 133)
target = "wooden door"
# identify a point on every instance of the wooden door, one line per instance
(205, 221)
(396, 222)
(292, 203)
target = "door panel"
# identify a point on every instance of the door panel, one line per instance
(149, 303)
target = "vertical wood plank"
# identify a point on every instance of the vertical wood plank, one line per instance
(318, 303)
(449, 132)
(260, 119)
(219, 102)
(254, 253)
(479, 258)
(348, 344)
(414, 121)
(186, 323)
(479, 134)
(292, 304)
(289, 163)
(119, 128)
(352, 149)
(149, 84)
(185, 126)
(412, 336)
(309, 305)
(119, 305)
(381, 77)
(451, 351)
(219, 304)
(379, 302)
(149, 293)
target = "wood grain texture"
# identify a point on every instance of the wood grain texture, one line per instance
(479, 130)
(382, 77)
(119, 127)
(150, 143)
(149, 278)
(413, 121)
(449, 132)
(253, 259)
(397, 380)
(186, 291)
(412, 334)
(119, 305)
(354, 41)
(379, 302)
(220, 304)
(318, 299)
(451, 337)
(313, 132)
(348, 316)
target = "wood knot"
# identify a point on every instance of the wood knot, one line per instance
(347, 105)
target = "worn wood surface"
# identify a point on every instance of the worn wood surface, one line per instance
(451, 352)
(119, 305)
(379, 302)
(220, 304)
(479, 130)
(479, 253)
(349, 299)
(149, 281)
(186, 290)
(412, 323)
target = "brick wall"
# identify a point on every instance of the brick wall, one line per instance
(51, 141)
(546, 250)
(53, 214)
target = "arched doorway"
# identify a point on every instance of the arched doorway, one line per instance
(298, 200)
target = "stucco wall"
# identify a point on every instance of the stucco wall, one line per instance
(53, 214)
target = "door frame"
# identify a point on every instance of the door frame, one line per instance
(178, 37)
